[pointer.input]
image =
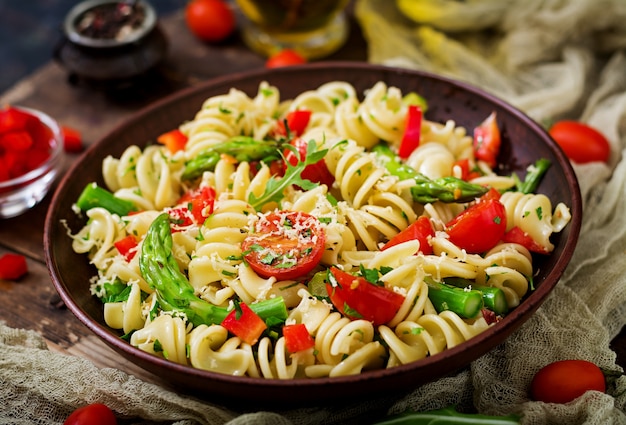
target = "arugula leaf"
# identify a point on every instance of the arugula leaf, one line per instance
(274, 191)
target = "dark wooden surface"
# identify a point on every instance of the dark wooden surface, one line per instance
(93, 109)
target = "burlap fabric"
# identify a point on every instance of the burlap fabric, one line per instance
(551, 58)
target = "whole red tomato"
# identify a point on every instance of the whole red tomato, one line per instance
(210, 20)
(580, 142)
(92, 414)
(566, 380)
(285, 57)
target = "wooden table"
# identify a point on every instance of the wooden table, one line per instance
(32, 302)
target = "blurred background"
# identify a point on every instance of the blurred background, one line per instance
(30, 29)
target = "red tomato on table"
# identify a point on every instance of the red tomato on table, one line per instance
(356, 298)
(566, 380)
(285, 57)
(92, 414)
(580, 142)
(210, 20)
(285, 244)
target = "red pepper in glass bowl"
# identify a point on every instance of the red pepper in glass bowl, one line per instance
(31, 153)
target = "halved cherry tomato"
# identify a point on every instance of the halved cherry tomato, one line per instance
(580, 142)
(210, 20)
(174, 140)
(412, 132)
(245, 324)
(356, 298)
(72, 139)
(127, 247)
(194, 207)
(296, 123)
(566, 380)
(12, 266)
(318, 172)
(518, 236)
(479, 227)
(285, 57)
(421, 229)
(92, 414)
(297, 337)
(285, 244)
(487, 141)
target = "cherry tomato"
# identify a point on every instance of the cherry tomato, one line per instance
(210, 20)
(296, 123)
(420, 229)
(566, 380)
(92, 414)
(481, 226)
(285, 244)
(487, 140)
(580, 142)
(318, 172)
(356, 298)
(517, 235)
(194, 207)
(13, 266)
(285, 57)
(72, 140)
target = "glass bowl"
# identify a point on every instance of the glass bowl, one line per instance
(21, 193)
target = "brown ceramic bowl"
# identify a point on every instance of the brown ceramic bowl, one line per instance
(524, 141)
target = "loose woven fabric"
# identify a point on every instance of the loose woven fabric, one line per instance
(551, 58)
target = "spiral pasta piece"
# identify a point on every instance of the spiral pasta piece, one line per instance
(211, 349)
(165, 336)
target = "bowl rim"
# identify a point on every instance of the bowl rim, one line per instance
(476, 346)
(69, 25)
(56, 151)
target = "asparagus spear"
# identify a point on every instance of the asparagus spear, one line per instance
(533, 177)
(174, 292)
(94, 196)
(445, 189)
(493, 297)
(465, 303)
(243, 148)
(448, 416)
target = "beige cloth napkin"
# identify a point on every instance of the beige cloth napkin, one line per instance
(552, 59)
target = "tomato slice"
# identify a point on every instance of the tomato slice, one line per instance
(244, 323)
(481, 226)
(421, 229)
(487, 140)
(356, 298)
(517, 235)
(296, 122)
(297, 337)
(194, 207)
(318, 172)
(412, 132)
(174, 140)
(285, 244)
(127, 247)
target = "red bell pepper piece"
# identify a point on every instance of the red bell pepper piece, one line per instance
(356, 298)
(72, 140)
(297, 337)
(518, 236)
(245, 324)
(194, 206)
(412, 132)
(296, 122)
(12, 266)
(466, 173)
(487, 140)
(173, 140)
(421, 229)
(127, 247)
